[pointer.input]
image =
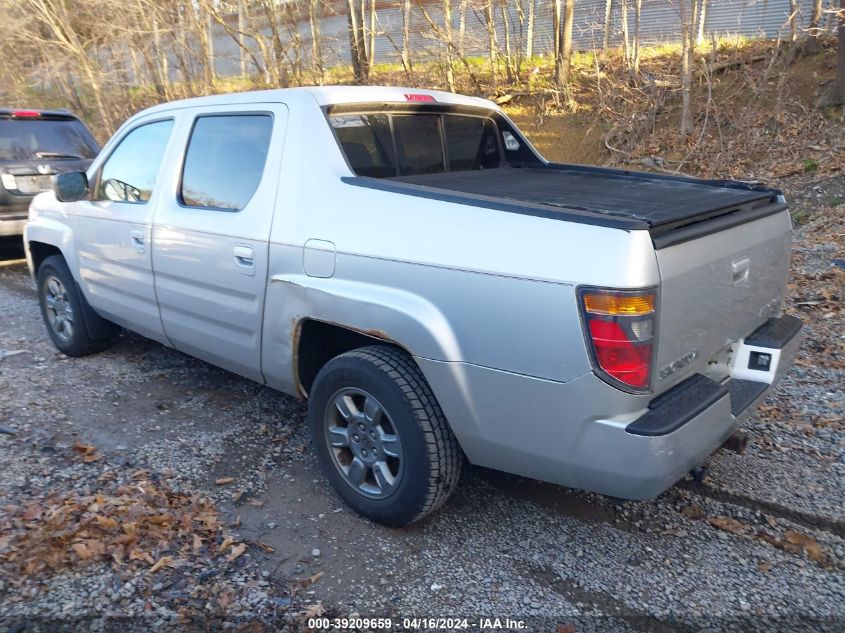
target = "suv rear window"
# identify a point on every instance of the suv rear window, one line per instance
(45, 139)
(401, 144)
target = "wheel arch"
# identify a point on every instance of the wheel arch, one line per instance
(317, 342)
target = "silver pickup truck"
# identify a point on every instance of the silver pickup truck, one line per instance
(409, 263)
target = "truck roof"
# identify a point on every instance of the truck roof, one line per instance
(330, 95)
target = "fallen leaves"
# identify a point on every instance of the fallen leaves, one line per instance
(89, 453)
(138, 523)
(237, 550)
(729, 525)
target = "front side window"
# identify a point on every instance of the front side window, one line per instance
(404, 144)
(225, 160)
(129, 173)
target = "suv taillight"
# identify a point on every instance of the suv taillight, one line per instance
(620, 327)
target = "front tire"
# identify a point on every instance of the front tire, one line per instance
(63, 309)
(380, 436)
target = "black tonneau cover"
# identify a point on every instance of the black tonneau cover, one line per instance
(662, 203)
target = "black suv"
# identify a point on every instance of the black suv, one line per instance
(34, 146)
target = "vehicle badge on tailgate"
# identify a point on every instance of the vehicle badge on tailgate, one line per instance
(677, 365)
(43, 169)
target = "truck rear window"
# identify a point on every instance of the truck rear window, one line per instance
(38, 139)
(386, 145)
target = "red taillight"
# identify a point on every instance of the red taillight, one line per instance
(419, 97)
(621, 327)
(26, 113)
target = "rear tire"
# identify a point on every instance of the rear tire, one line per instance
(64, 308)
(380, 436)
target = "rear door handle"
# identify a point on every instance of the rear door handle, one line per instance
(244, 260)
(137, 237)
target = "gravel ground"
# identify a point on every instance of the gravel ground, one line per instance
(760, 545)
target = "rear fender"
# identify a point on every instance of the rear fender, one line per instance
(380, 312)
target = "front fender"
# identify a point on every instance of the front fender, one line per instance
(383, 312)
(52, 229)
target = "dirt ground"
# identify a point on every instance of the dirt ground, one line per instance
(759, 546)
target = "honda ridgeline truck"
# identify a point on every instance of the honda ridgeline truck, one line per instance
(438, 291)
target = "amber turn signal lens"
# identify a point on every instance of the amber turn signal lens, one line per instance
(618, 304)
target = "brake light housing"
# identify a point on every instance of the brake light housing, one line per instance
(26, 114)
(620, 328)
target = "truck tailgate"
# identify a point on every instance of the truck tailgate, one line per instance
(716, 289)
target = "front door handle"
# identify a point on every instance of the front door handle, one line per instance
(137, 237)
(244, 260)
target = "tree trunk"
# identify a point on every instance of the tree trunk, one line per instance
(509, 69)
(635, 54)
(357, 44)
(702, 17)
(406, 36)
(793, 20)
(314, 16)
(447, 28)
(835, 95)
(568, 20)
(529, 31)
(462, 28)
(626, 42)
(608, 24)
(686, 68)
(241, 37)
(493, 47)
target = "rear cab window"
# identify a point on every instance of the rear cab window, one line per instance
(409, 143)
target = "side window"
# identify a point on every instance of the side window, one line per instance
(367, 143)
(471, 143)
(129, 173)
(225, 160)
(418, 143)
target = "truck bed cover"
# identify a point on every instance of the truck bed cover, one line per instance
(661, 203)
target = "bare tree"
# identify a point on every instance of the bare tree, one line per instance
(794, 9)
(492, 45)
(562, 26)
(626, 40)
(702, 17)
(315, 14)
(447, 28)
(608, 24)
(529, 30)
(406, 37)
(835, 94)
(635, 52)
(686, 65)
(357, 42)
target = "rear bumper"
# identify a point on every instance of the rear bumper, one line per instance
(12, 224)
(14, 211)
(586, 434)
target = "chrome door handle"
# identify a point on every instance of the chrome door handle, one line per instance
(244, 260)
(137, 237)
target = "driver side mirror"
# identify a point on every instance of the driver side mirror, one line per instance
(71, 186)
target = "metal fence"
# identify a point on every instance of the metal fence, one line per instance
(659, 22)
